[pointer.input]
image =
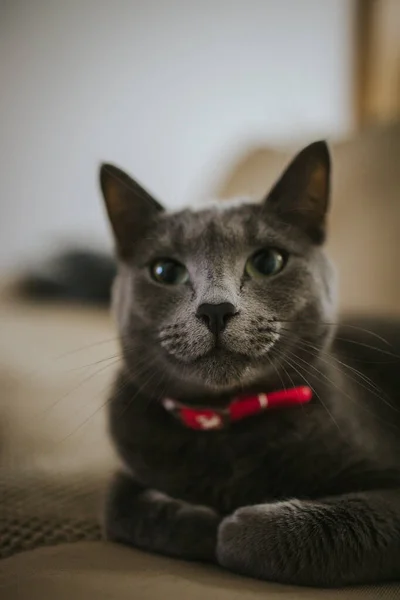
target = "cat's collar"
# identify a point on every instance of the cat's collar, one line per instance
(207, 419)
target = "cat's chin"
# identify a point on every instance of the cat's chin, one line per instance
(221, 373)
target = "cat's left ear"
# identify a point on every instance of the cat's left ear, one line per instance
(131, 209)
(301, 195)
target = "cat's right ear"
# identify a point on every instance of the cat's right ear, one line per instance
(301, 195)
(131, 209)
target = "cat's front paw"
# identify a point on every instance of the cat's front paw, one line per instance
(153, 521)
(249, 540)
(235, 542)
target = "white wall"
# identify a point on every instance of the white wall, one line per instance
(168, 89)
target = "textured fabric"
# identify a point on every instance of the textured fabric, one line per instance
(100, 571)
(38, 509)
(41, 510)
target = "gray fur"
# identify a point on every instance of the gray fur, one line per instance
(308, 495)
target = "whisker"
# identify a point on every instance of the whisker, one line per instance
(99, 408)
(376, 390)
(364, 361)
(349, 397)
(369, 346)
(290, 362)
(81, 348)
(286, 373)
(335, 324)
(86, 379)
(84, 422)
(162, 378)
(320, 351)
(140, 389)
(96, 362)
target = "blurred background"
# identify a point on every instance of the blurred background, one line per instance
(174, 92)
(194, 99)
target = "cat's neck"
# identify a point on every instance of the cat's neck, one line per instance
(320, 377)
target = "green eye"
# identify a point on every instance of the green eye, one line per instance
(169, 272)
(265, 263)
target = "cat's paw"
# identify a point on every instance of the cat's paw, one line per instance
(237, 535)
(153, 521)
(249, 539)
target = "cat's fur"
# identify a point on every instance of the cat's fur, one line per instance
(307, 495)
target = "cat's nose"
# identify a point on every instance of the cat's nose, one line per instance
(216, 316)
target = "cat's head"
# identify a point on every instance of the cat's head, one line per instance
(215, 300)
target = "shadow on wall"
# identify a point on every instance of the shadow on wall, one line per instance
(365, 213)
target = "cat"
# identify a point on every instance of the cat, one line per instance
(238, 300)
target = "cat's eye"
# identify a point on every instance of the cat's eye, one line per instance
(265, 263)
(169, 272)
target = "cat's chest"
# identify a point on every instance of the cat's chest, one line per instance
(251, 463)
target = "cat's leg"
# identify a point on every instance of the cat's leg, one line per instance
(152, 521)
(335, 541)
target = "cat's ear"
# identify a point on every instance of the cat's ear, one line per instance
(301, 195)
(130, 208)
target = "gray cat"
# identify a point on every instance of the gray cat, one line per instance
(224, 314)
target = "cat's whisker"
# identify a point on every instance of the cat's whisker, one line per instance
(75, 388)
(335, 324)
(126, 337)
(369, 347)
(319, 351)
(375, 348)
(137, 392)
(86, 347)
(370, 386)
(373, 389)
(348, 396)
(290, 363)
(276, 368)
(83, 381)
(83, 423)
(96, 362)
(121, 386)
(155, 391)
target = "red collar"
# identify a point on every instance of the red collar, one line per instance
(240, 408)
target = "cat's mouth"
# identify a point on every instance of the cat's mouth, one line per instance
(219, 352)
(226, 360)
(216, 354)
(220, 368)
